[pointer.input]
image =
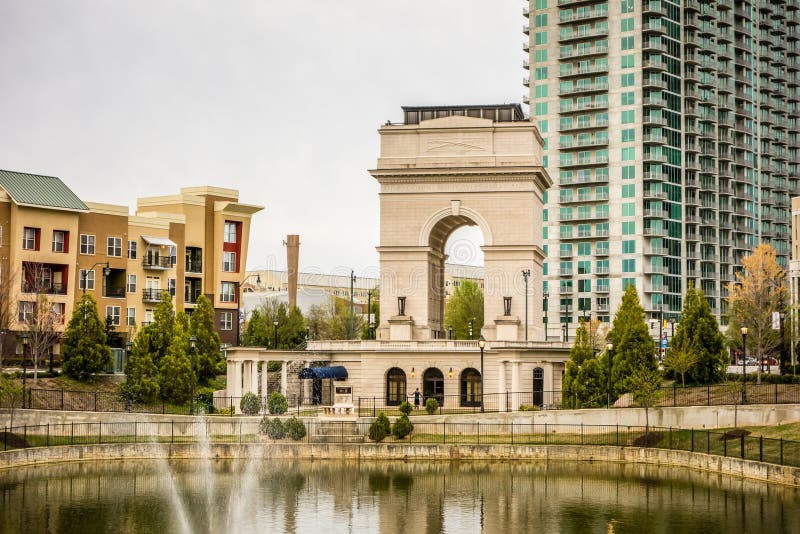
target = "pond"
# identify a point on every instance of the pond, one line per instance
(417, 497)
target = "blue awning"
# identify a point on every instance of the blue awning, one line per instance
(324, 372)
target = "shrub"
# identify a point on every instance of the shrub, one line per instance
(405, 408)
(295, 429)
(528, 408)
(380, 428)
(224, 411)
(272, 427)
(277, 404)
(431, 405)
(402, 427)
(250, 404)
(205, 400)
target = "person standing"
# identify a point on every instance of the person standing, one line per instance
(416, 399)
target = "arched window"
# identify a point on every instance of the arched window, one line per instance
(538, 386)
(395, 386)
(470, 387)
(433, 385)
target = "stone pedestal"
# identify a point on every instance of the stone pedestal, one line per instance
(401, 328)
(507, 328)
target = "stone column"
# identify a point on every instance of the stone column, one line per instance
(245, 377)
(264, 379)
(515, 389)
(307, 386)
(501, 386)
(284, 376)
(254, 376)
(236, 387)
(549, 386)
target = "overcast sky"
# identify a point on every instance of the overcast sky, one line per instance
(280, 99)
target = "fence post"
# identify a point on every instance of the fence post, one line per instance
(674, 395)
(708, 394)
(725, 447)
(444, 432)
(47, 439)
(25, 437)
(100, 433)
(62, 399)
(172, 432)
(617, 434)
(373, 406)
(72, 434)
(581, 433)
(95, 401)
(670, 438)
(776, 393)
(692, 449)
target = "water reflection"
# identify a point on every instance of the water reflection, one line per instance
(413, 497)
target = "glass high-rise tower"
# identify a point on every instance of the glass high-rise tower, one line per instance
(671, 135)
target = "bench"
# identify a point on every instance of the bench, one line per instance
(339, 409)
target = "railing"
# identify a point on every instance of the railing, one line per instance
(114, 292)
(726, 444)
(194, 266)
(152, 295)
(48, 289)
(157, 262)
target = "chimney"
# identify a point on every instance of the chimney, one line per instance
(292, 258)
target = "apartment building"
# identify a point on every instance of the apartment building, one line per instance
(671, 133)
(53, 243)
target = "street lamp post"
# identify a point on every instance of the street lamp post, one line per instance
(192, 345)
(743, 330)
(275, 324)
(450, 331)
(482, 345)
(525, 275)
(609, 348)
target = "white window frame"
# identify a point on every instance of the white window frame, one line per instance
(132, 246)
(172, 284)
(115, 312)
(114, 247)
(25, 311)
(130, 285)
(89, 279)
(130, 317)
(229, 262)
(227, 296)
(59, 246)
(87, 244)
(229, 232)
(226, 321)
(29, 238)
(59, 309)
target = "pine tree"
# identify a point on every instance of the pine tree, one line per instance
(141, 384)
(176, 376)
(255, 332)
(208, 358)
(581, 349)
(162, 328)
(699, 332)
(584, 383)
(292, 331)
(84, 347)
(633, 348)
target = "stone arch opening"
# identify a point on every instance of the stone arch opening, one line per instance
(470, 387)
(538, 386)
(433, 385)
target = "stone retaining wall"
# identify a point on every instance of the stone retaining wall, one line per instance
(430, 452)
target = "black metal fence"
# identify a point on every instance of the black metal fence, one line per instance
(100, 401)
(225, 430)
(711, 395)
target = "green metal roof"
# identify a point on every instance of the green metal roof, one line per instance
(40, 191)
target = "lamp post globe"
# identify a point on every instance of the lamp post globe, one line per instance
(275, 324)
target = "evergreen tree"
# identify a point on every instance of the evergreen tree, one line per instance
(255, 332)
(633, 348)
(84, 348)
(464, 306)
(584, 383)
(161, 329)
(292, 330)
(209, 361)
(141, 384)
(176, 376)
(699, 332)
(645, 384)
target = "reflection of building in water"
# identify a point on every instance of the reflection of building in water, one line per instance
(413, 497)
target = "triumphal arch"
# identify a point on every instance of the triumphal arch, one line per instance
(445, 168)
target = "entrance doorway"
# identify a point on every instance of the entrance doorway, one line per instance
(433, 385)
(538, 386)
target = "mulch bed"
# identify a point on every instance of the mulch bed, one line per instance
(648, 440)
(12, 441)
(736, 433)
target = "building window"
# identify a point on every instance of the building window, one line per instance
(229, 262)
(171, 284)
(395, 386)
(131, 283)
(26, 310)
(30, 239)
(226, 321)
(60, 241)
(131, 250)
(130, 317)
(88, 277)
(87, 244)
(227, 292)
(115, 246)
(114, 313)
(230, 232)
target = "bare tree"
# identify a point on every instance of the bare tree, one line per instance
(41, 319)
(6, 282)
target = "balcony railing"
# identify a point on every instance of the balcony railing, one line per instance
(152, 295)
(47, 289)
(158, 262)
(194, 266)
(114, 292)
